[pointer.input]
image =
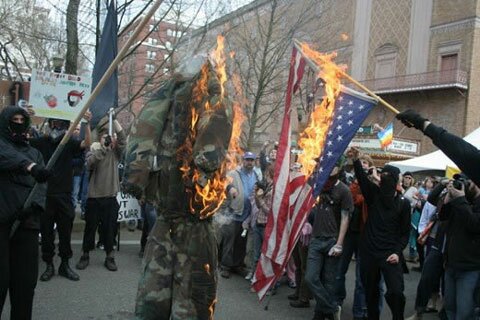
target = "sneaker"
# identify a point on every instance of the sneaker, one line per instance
(249, 276)
(48, 273)
(337, 314)
(300, 303)
(100, 245)
(292, 284)
(110, 264)
(83, 262)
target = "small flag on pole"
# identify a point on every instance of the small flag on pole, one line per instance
(386, 136)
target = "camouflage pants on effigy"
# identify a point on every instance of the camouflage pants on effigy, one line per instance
(178, 278)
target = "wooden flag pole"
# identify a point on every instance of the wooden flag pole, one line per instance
(312, 64)
(106, 76)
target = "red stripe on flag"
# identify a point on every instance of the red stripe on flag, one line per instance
(292, 198)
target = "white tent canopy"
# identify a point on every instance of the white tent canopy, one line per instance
(436, 160)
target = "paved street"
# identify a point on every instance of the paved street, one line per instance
(102, 295)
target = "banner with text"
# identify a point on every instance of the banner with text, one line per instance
(129, 207)
(58, 95)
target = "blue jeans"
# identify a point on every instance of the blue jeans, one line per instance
(84, 190)
(459, 293)
(77, 181)
(258, 232)
(321, 274)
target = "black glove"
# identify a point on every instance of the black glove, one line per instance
(40, 173)
(411, 119)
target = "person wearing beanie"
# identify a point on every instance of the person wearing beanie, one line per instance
(385, 236)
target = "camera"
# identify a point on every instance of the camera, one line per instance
(108, 141)
(459, 182)
(262, 185)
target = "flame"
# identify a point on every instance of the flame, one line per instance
(313, 137)
(344, 36)
(218, 56)
(238, 119)
(207, 196)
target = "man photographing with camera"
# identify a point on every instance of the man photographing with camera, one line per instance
(462, 271)
(103, 186)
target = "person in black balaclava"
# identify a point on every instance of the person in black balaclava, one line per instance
(21, 166)
(385, 236)
(59, 207)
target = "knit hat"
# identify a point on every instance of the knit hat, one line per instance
(393, 171)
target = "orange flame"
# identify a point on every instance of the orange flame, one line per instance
(218, 56)
(313, 137)
(209, 195)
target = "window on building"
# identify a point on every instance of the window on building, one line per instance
(166, 56)
(448, 55)
(385, 61)
(152, 27)
(170, 33)
(151, 54)
(165, 70)
(152, 41)
(149, 68)
(449, 62)
(168, 45)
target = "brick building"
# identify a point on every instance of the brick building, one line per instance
(141, 72)
(417, 53)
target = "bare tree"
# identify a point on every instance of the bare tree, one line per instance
(260, 36)
(72, 37)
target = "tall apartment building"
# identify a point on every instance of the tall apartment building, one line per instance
(141, 72)
(413, 53)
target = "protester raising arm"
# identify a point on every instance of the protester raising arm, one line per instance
(368, 187)
(465, 155)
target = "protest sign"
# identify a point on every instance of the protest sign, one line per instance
(58, 95)
(129, 207)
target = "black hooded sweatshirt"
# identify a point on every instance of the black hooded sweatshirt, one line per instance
(15, 182)
(388, 225)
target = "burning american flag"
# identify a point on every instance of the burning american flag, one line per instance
(331, 127)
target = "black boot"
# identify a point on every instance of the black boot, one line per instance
(49, 272)
(110, 264)
(65, 271)
(83, 262)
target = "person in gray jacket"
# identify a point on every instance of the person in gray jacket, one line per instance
(104, 184)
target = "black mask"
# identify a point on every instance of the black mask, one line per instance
(18, 132)
(388, 187)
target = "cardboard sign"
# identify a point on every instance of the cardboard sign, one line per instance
(58, 95)
(129, 207)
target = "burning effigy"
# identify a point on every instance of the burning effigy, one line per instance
(178, 154)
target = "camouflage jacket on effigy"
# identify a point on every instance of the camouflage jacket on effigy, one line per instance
(157, 143)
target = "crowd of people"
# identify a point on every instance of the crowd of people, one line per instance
(376, 216)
